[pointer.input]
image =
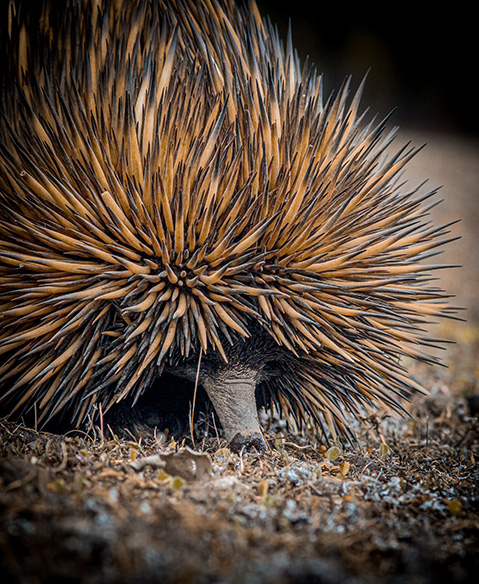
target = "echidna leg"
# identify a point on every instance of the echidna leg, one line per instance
(233, 397)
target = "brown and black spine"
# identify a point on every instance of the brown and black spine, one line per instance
(176, 197)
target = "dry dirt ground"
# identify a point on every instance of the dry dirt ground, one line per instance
(400, 506)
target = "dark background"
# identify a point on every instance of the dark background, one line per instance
(422, 61)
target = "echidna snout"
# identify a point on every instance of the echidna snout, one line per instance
(231, 384)
(232, 392)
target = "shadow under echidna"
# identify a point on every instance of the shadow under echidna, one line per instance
(180, 209)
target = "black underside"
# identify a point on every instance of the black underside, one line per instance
(165, 405)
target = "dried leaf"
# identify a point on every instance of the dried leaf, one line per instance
(344, 468)
(177, 483)
(383, 450)
(163, 476)
(263, 488)
(455, 507)
(333, 453)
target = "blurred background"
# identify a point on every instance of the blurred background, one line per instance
(422, 61)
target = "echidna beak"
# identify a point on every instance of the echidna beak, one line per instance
(235, 404)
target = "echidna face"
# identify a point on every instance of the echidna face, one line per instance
(231, 384)
(171, 186)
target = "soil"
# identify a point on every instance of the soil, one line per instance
(401, 505)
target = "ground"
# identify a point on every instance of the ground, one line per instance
(399, 506)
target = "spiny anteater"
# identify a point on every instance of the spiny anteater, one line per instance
(176, 199)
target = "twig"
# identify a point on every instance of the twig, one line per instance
(192, 412)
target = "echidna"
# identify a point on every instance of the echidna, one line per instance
(177, 200)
